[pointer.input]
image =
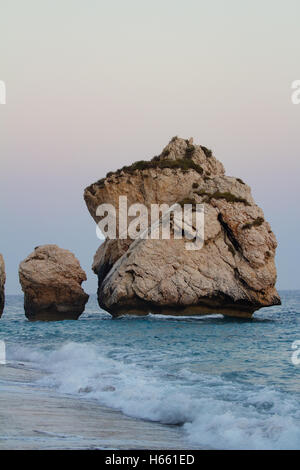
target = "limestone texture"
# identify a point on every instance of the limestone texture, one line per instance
(234, 273)
(51, 279)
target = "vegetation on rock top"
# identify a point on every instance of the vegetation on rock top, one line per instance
(185, 164)
(229, 197)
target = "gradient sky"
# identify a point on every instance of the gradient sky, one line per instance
(93, 85)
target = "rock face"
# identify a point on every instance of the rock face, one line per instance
(233, 274)
(51, 280)
(2, 282)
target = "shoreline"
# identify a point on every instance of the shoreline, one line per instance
(43, 419)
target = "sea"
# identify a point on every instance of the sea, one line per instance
(153, 382)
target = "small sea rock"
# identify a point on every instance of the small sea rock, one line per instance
(51, 279)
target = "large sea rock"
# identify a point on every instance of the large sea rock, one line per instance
(2, 283)
(51, 279)
(233, 274)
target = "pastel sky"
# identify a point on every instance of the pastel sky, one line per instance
(93, 85)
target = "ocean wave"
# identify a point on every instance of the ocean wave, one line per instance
(214, 411)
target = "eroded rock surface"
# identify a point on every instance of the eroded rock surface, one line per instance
(234, 273)
(51, 279)
(2, 283)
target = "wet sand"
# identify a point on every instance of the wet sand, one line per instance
(32, 417)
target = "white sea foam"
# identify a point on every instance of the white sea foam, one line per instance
(159, 316)
(214, 412)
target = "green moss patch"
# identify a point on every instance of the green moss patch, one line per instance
(207, 151)
(256, 223)
(229, 197)
(187, 200)
(184, 164)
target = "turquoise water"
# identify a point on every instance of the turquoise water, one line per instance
(227, 383)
